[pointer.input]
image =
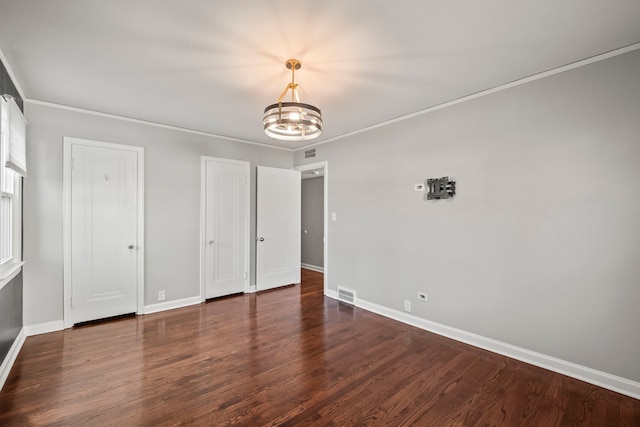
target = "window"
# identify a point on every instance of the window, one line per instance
(12, 169)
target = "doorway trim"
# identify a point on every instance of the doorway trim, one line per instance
(325, 166)
(202, 240)
(68, 143)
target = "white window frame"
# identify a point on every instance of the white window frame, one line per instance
(10, 225)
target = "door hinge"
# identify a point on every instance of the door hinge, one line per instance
(245, 274)
(71, 302)
(72, 163)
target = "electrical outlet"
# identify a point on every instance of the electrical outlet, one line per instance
(407, 305)
(422, 296)
(162, 295)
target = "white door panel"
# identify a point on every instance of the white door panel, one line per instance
(226, 233)
(104, 200)
(278, 228)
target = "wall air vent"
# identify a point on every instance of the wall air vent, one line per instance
(346, 295)
(310, 153)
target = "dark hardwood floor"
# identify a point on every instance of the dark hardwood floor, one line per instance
(286, 357)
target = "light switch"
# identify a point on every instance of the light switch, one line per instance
(333, 216)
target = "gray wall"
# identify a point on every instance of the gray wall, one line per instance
(7, 87)
(540, 248)
(10, 293)
(10, 314)
(312, 248)
(172, 202)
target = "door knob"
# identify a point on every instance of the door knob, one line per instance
(261, 239)
(210, 242)
(130, 247)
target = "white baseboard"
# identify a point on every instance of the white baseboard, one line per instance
(58, 325)
(8, 361)
(312, 267)
(170, 305)
(592, 376)
(43, 328)
(331, 293)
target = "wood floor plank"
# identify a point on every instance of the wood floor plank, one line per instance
(288, 357)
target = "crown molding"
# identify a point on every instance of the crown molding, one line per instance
(505, 86)
(148, 123)
(466, 98)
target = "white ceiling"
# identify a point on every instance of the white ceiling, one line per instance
(213, 66)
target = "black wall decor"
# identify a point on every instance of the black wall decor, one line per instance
(441, 188)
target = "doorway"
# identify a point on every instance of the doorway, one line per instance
(311, 240)
(103, 230)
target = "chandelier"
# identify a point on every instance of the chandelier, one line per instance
(292, 120)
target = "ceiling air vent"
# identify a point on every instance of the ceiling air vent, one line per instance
(346, 295)
(310, 153)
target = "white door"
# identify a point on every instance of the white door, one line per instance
(226, 227)
(278, 228)
(104, 231)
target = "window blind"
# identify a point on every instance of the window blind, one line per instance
(6, 175)
(16, 156)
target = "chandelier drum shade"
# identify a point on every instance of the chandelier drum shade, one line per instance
(292, 120)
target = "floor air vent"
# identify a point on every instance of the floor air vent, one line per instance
(346, 295)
